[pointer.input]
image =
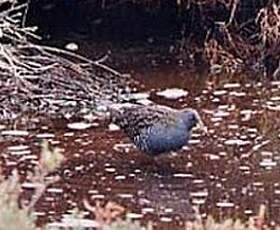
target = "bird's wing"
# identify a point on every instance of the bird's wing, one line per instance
(134, 119)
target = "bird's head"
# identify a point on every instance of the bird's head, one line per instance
(192, 119)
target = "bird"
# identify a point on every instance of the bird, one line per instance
(156, 129)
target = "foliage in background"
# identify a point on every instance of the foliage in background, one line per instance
(231, 36)
(250, 45)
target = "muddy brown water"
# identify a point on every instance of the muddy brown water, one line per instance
(229, 172)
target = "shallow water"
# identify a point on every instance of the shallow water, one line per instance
(231, 171)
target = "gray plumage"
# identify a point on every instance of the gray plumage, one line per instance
(155, 129)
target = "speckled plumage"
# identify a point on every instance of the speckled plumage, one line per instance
(155, 129)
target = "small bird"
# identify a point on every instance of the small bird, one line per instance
(156, 129)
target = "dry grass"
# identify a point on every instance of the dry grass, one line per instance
(16, 213)
(41, 79)
(242, 35)
(232, 50)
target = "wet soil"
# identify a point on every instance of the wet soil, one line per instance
(229, 172)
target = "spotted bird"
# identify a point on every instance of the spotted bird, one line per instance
(156, 129)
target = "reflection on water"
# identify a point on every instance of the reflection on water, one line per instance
(232, 170)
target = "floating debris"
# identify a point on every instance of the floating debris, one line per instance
(72, 46)
(248, 212)
(93, 192)
(275, 83)
(237, 142)
(198, 181)
(69, 134)
(15, 133)
(237, 94)
(20, 153)
(110, 170)
(216, 119)
(225, 204)
(33, 159)
(231, 85)
(258, 184)
(199, 194)
(69, 221)
(132, 215)
(97, 196)
(125, 196)
(11, 163)
(219, 92)
(258, 146)
(266, 153)
(79, 125)
(18, 147)
(137, 96)
(221, 113)
(147, 210)
(145, 102)
(198, 201)
(120, 147)
(113, 127)
(45, 135)
(217, 100)
(120, 177)
(276, 98)
(173, 93)
(30, 185)
(79, 167)
(213, 157)
(244, 168)
(55, 190)
(194, 141)
(233, 126)
(268, 163)
(224, 107)
(39, 213)
(183, 175)
(273, 108)
(223, 154)
(166, 219)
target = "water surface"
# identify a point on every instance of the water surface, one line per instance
(231, 171)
